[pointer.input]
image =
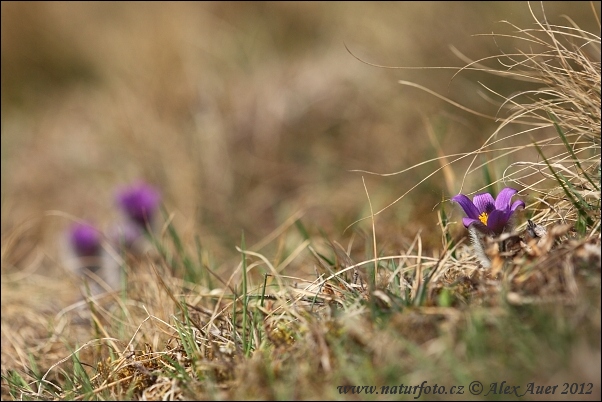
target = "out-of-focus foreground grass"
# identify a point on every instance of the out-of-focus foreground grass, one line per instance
(244, 115)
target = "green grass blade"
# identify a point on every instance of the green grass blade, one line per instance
(245, 300)
(488, 180)
(570, 149)
(564, 184)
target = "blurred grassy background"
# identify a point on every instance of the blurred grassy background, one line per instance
(241, 113)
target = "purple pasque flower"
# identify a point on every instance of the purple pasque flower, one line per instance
(139, 202)
(85, 240)
(486, 214)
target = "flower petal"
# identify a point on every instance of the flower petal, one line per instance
(517, 203)
(139, 202)
(85, 239)
(483, 202)
(498, 219)
(469, 208)
(503, 199)
(477, 224)
(469, 221)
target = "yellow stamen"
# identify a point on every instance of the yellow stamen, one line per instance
(483, 218)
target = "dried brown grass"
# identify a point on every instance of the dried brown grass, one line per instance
(169, 339)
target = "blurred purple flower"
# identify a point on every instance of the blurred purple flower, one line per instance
(486, 214)
(140, 202)
(85, 240)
